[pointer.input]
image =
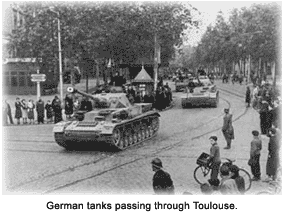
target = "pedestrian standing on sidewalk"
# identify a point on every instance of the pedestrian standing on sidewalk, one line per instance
(272, 164)
(255, 100)
(255, 148)
(228, 129)
(56, 105)
(49, 111)
(216, 159)
(40, 111)
(31, 115)
(18, 111)
(162, 182)
(25, 111)
(8, 113)
(248, 96)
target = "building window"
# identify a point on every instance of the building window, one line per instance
(29, 81)
(22, 79)
(14, 80)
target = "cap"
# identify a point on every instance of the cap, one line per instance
(214, 138)
(255, 133)
(157, 162)
(272, 130)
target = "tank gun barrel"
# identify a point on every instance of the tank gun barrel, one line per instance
(73, 90)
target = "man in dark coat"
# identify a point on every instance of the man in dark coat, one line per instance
(40, 111)
(216, 159)
(68, 106)
(248, 96)
(18, 111)
(228, 129)
(56, 105)
(162, 182)
(49, 111)
(255, 148)
(273, 154)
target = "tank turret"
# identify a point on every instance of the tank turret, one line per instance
(113, 119)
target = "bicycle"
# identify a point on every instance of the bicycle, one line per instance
(202, 171)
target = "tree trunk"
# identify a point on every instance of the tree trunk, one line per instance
(97, 73)
(249, 69)
(87, 82)
(155, 62)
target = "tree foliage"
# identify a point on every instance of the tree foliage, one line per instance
(123, 31)
(250, 32)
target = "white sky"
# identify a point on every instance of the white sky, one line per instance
(209, 11)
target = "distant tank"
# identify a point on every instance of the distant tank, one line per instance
(113, 120)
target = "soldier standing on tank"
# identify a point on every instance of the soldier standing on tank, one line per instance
(228, 129)
(162, 182)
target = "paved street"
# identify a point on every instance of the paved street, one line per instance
(36, 164)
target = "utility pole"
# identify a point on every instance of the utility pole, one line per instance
(157, 60)
(59, 53)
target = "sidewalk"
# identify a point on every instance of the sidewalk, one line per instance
(11, 99)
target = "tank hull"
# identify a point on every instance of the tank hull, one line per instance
(203, 100)
(122, 134)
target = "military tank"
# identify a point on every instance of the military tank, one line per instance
(204, 93)
(113, 120)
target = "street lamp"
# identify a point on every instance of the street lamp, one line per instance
(60, 54)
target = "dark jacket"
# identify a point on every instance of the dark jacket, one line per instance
(215, 153)
(18, 111)
(162, 183)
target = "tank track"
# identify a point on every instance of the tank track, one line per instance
(134, 132)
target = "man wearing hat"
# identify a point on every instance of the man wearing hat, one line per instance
(272, 163)
(162, 182)
(228, 129)
(255, 148)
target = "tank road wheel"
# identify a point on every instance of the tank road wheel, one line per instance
(155, 125)
(139, 134)
(147, 131)
(151, 130)
(126, 140)
(117, 139)
(144, 132)
(129, 137)
(135, 137)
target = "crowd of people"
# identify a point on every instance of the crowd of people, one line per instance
(161, 99)
(51, 112)
(32, 112)
(225, 178)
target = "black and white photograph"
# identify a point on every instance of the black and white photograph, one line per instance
(142, 98)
